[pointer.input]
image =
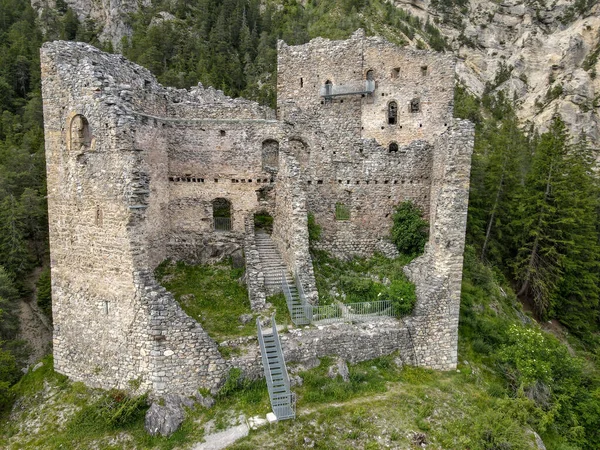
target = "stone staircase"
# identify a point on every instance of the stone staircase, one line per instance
(273, 267)
(271, 263)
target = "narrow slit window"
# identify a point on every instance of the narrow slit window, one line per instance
(395, 72)
(415, 105)
(392, 113)
(301, 82)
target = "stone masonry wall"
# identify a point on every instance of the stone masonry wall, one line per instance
(438, 273)
(290, 230)
(345, 156)
(107, 178)
(353, 342)
(255, 280)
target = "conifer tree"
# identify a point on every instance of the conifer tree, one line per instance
(557, 256)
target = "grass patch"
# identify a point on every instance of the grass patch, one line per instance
(367, 377)
(282, 314)
(52, 412)
(211, 294)
(363, 280)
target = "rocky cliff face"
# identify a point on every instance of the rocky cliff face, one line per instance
(543, 56)
(110, 14)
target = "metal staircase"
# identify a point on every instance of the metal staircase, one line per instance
(283, 401)
(300, 310)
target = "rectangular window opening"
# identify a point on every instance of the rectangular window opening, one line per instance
(342, 212)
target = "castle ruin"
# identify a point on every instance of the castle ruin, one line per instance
(138, 173)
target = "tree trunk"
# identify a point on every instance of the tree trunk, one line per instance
(488, 231)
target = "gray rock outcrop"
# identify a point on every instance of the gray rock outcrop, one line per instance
(166, 416)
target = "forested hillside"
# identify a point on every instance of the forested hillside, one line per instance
(533, 216)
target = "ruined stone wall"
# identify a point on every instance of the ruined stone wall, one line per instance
(210, 159)
(438, 273)
(255, 280)
(290, 230)
(107, 177)
(352, 342)
(370, 186)
(94, 297)
(400, 74)
(134, 168)
(345, 153)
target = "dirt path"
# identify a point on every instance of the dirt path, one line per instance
(35, 328)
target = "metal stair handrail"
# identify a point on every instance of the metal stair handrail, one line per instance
(283, 404)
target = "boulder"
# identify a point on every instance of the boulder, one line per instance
(339, 368)
(165, 416)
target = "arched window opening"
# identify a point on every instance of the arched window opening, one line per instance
(270, 156)
(301, 151)
(80, 135)
(342, 211)
(221, 214)
(393, 148)
(424, 70)
(392, 113)
(370, 75)
(415, 105)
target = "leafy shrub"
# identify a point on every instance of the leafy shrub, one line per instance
(409, 231)
(44, 292)
(402, 295)
(314, 229)
(263, 221)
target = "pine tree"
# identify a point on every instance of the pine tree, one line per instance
(576, 299)
(557, 256)
(14, 254)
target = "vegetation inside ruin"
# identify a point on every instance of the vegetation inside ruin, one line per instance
(363, 280)
(213, 294)
(409, 230)
(264, 222)
(512, 378)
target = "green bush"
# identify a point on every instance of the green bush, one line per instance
(314, 229)
(409, 231)
(264, 222)
(44, 292)
(402, 295)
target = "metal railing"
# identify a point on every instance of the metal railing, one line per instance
(283, 401)
(303, 313)
(353, 312)
(359, 87)
(300, 310)
(222, 223)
